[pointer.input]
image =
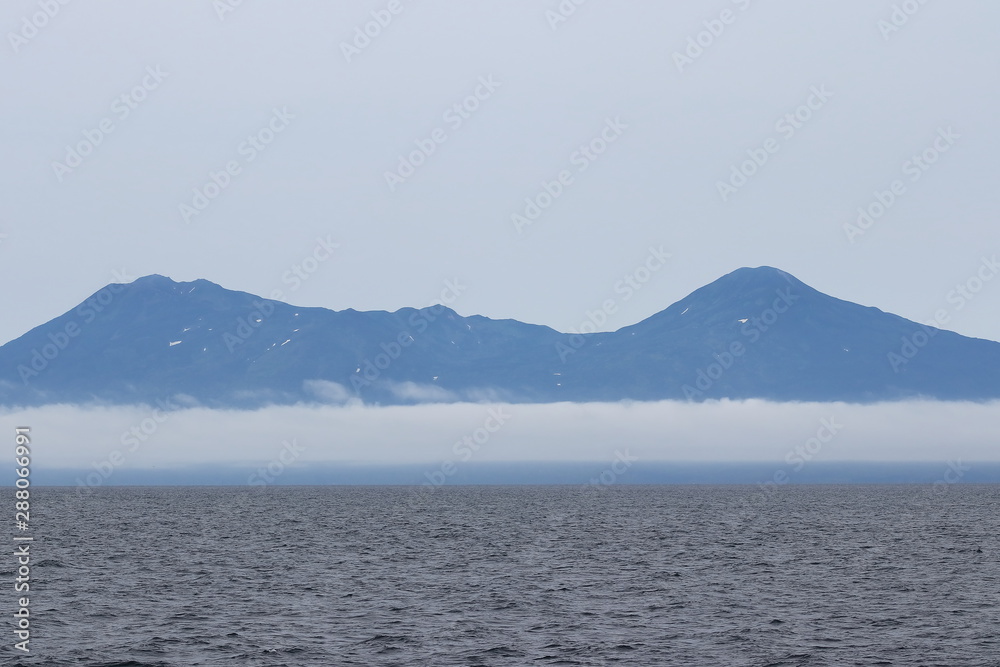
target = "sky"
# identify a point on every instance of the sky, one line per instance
(527, 156)
(534, 155)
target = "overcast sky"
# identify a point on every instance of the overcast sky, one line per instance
(667, 120)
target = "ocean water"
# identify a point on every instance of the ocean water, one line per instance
(629, 575)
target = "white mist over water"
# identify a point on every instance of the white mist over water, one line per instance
(714, 431)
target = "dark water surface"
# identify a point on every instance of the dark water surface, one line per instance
(630, 575)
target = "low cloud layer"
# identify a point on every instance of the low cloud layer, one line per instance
(145, 437)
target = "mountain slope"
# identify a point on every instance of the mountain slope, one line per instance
(752, 333)
(763, 333)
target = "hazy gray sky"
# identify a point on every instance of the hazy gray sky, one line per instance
(330, 121)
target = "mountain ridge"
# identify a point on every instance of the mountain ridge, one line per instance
(752, 333)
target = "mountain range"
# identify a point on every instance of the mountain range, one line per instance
(753, 333)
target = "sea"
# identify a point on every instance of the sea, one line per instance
(510, 575)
